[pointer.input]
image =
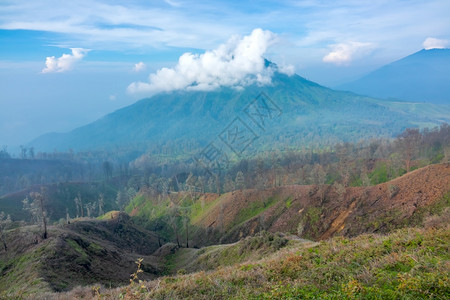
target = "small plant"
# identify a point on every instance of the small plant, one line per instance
(136, 286)
(352, 289)
(288, 202)
(96, 291)
(181, 272)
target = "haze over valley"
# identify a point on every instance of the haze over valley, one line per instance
(224, 150)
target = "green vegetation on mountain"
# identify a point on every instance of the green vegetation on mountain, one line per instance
(266, 207)
(248, 216)
(188, 260)
(189, 120)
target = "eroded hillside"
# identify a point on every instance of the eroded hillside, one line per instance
(103, 252)
(310, 211)
(87, 251)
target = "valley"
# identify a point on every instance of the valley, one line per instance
(166, 220)
(239, 227)
(224, 150)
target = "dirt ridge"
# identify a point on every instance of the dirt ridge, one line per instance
(323, 210)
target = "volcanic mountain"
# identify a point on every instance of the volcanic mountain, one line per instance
(289, 111)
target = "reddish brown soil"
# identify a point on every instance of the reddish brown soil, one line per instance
(359, 209)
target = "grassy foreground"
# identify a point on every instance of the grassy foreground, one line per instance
(409, 263)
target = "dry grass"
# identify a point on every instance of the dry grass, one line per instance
(410, 263)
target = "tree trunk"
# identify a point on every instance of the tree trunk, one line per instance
(178, 238)
(187, 235)
(4, 243)
(44, 216)
(45, 229)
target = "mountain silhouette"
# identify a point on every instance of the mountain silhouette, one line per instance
(298, 112)
(422, 77)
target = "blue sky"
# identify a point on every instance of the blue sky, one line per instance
(66, 63)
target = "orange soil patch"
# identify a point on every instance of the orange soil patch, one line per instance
(350, 214)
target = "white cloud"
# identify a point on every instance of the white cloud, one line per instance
(310, 24)
(65, 62)
(140, 66)
(286, 69)
(237, 63)
(433, 43)
(344, 53)
(112, 97)
(104, 25)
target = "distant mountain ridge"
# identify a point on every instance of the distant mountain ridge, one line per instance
(423, 77)
(310, 113)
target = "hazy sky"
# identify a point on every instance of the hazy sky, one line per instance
(66, 63)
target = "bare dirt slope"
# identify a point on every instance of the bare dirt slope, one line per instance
(320, 212)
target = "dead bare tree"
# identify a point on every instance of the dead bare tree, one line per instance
(218, 184)
(221, 218)
(35, 205)
(172, 219)
(101, 203)
(90, 208)
(318, 177)
(5, 221)
(78, 205)
(407, 144)
(185, 215)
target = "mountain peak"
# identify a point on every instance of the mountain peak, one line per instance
(422, 76)
(309, 111)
